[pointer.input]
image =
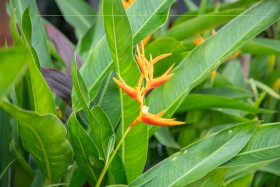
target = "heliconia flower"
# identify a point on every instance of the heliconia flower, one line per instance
(132, 92)
(147, 69)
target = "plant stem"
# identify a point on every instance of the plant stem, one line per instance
(112, 157)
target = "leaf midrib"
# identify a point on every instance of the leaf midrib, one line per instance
(204, 160)
(47, 163)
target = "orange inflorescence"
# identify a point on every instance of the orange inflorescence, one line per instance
(147, 69)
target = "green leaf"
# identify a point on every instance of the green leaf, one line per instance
(203, 23)
(100, 125)
(204, 101)
(85, 152)
(39, 36)
(42, 96)
(262, 46)
(99, 62)
(165, 138)
(6, 169)
(198, 159)
(272, 168)
(213, 178)
(243, 181)
(263, 146)
(118, 29)
(162, 46)
(227, 91)
(12, 67)
(108, 97)
(14, 30)
(44, 136)
(210, 54)
(232, 69)
(77, 13)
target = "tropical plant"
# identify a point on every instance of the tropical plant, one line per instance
(102, 112)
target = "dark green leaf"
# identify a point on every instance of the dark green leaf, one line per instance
(44, 136)
(85, 152)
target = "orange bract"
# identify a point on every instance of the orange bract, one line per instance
(147, 69)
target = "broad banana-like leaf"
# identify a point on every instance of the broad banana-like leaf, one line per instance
(198, 159)
(263, 146)
(210, 54)
(86, 153)
(44, 136)
(117, 31)
(42, 96)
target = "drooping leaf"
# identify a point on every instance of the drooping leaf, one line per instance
(198, 159)
(85, 152)
(118, 30)
(12, 66)
(42, 96)
(263, 146)
(204, 101)
(77, 13)
(44, 136)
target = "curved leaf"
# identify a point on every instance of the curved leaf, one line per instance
(204, 101)
(42, 96)
(85, 152)
(44, 137)
(118, 30)
(198, 159)
(263, 146)
(210, 54)
(203, 23)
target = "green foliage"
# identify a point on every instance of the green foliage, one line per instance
(73, 128)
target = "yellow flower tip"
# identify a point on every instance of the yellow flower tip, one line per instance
(161, 113)
(160, 57)
(159, 81)
(156, 120)
(131, 92)
(199, 40)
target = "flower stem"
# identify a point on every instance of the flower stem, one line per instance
(112, 157)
